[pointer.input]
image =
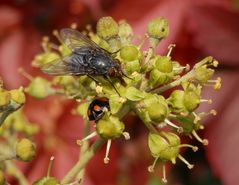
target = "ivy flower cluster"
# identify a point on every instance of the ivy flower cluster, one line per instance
(147, 75)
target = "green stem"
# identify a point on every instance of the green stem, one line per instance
(14, 171)
(83, 161)
(174, 83)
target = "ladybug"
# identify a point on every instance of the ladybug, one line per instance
(97, 108)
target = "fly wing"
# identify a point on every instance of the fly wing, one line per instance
(63, 66)
(75, 40)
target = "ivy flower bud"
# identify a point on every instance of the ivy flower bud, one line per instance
(25, 150)
(107, 27)
(157, 78)
(44, 58)
(164, 64)
(5, 97)
(129, 53)
(39, 88)
(2, 178)
(18, 96)
(110, 127)
(191, 100)
(164, 146)
(125, 32)
(157, 30)
(153, 109)
(203, 74)
(176, 101)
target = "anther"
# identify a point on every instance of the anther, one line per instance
(170, 49)
(80, 142)
(50, 166)
(164, 179)
(203, 141)
(126, 135)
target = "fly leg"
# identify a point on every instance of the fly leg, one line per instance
(92, 78)
(110, 81)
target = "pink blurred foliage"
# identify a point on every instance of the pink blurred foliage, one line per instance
(199, 28)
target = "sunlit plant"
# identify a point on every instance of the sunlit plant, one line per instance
(138, 86)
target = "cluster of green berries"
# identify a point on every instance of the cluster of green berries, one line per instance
(147, 76)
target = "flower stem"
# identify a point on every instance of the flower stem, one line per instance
(16, 173)
(82, 162)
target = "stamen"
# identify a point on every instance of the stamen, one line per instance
(50, 166)
(25, 74)
(190, 166)
(208, 101)
(197, 118)
(194, 148)
(44, 44)
(187, 68)
(107, 159)
(57, 35)
(170, 49)
(203, 141)
(126, 135)
(179, 129)
(151, 167)
(80, 142)
(164, 179)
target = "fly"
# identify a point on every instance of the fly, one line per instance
(87, 58)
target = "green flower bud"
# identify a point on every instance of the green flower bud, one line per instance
(39, 88)
(46, 181)
(44, 58)
(203, 74)
(129, 53)
(63, 80)
(132, 66)
(153, 109)
(158, 28)
(2, 178)
(191, 100)
(176, 101)
(18, 96)
(25, 150)
(5, 97)
(110, 127)
(157, 78)
(187, 123)
(125, 30)
(106, 28)
(164, 64)
(164, 146)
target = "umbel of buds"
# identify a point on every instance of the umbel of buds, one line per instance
(164, 94)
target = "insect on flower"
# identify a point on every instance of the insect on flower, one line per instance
(87, 58)
(97, 108)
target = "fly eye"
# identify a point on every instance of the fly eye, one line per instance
(111, 72)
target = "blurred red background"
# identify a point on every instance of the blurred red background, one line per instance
(199, 28)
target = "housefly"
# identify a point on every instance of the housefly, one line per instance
(87, 58)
